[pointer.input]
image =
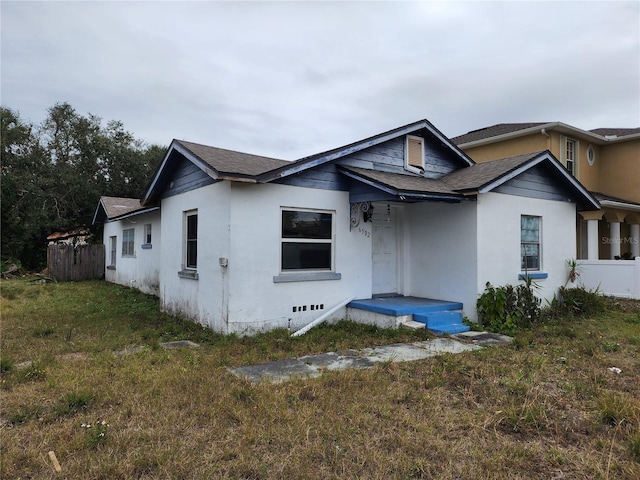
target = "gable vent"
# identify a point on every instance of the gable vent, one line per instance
(415, 153)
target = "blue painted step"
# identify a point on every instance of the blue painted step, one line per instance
(444, 322)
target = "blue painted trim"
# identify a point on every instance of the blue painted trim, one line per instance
(533, 276)
(190, 274)
(146, 246)
(306, 277)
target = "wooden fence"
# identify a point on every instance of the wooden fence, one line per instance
(82, 262)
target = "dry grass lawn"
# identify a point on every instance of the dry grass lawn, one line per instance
(545, 407)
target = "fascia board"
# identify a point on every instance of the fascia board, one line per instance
(621, 205)
(95, 215)
(132, 214)
(507, 136)
(558, 126)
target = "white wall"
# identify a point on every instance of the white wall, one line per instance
(618, 278)
(142, 269)
(256, 302)
(441, 257)
(201, 300)
(499, 240)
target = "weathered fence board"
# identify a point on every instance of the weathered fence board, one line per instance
(82, 262)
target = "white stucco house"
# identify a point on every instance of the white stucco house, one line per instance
(396, 227)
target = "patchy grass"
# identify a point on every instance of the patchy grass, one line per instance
(545, 407)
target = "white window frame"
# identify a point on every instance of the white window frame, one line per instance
(523, 266)
(113, 250)
(147, 233)
(186, 240)
(330, 241)
(570, 157)
(128, 244)
(407, 164)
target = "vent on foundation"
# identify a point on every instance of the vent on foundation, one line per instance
(303, 308)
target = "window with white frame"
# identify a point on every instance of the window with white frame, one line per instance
(571, 155)
(190, 256)
(128, 235)
(414, 154)
(307, 240)
(530, 242)
(147, 233)
(113, 250)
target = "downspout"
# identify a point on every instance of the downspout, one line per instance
(321, 318)
(544, 132)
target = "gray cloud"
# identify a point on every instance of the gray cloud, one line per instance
(293, 78)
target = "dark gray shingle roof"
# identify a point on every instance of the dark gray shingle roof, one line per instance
(402, 182)
(618, 132)
(117, 206)
(494, 131)
(481, 174)
(232, 162)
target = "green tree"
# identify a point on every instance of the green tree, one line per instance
(54, 174)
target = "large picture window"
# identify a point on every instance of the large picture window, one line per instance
(307, 240)
(529, 242)
(128, 235)
(191, 239)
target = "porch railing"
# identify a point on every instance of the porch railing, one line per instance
(619, 278)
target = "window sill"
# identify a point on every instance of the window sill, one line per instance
(128, 256)
(146, 246)
(306, 277)
(190, 274)
(111, 267)
(533, 275)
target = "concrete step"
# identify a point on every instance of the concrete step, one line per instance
(441, 323)
(410, 324)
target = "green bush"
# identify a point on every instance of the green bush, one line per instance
(578, 302)
(508, 308)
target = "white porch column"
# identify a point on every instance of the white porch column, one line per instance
(614, 239)
(592, 239)
(635, 240)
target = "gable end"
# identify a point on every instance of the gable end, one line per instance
(537, 182)
(186, 176)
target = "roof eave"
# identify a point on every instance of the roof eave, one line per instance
(404, 194)
(621, 205)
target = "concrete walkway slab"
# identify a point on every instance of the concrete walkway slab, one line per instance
(311, 366)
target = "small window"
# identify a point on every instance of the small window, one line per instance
(147, 233)
(414, 154)
(529, 242)
(307, 240)
(191, 239)
(128, 235)
(571, 147)
(591, 155)
(113, 250)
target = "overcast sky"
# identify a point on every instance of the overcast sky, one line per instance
(289, 79)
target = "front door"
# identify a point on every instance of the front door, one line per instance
(385, 252)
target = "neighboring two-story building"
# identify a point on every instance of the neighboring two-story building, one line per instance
(605, 160)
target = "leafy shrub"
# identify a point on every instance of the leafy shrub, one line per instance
(578, 302)
(505, 309)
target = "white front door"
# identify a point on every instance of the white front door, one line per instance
(385, 252)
